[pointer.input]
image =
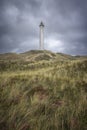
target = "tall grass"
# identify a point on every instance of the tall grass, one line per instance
(51, 96)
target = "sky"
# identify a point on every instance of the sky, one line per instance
(65, 23)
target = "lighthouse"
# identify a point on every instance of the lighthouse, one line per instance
(41, 36)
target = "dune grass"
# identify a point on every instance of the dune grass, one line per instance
(45, 95)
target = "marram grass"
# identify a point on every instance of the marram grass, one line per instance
(44, 95)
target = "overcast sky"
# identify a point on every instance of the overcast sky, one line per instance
(65, 25)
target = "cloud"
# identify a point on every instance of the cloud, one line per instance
(65, 25)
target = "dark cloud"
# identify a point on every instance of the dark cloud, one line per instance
(65, 25)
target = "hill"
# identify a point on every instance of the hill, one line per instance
(42, 90)
(35, 55)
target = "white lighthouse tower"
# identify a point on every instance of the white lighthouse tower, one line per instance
(41, 36)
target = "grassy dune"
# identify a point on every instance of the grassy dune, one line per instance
(41, 90)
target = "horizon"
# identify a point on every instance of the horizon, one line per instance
(39, 50)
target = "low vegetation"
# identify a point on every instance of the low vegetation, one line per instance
(41, 90)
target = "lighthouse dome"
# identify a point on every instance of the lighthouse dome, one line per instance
(41, 24)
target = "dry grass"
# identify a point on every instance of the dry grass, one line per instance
(45, 95)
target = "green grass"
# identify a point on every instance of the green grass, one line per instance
(43, 94)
